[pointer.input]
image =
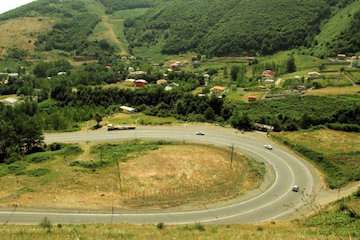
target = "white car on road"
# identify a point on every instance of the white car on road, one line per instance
(295, 188)
(268, 147)
(200, 133)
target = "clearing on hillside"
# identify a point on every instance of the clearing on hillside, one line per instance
(22, 32)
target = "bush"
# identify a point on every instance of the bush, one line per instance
(46, 224)
(37, 172)
(16, 168)
(92, 165)
(199, 227)
(344, 127)
(160, 226)
(55, 147)
(39, 159)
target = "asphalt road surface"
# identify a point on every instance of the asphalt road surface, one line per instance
(277, 201)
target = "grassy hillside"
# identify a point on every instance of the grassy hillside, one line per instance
(73, 23)
(22, 32)
(215, 27)
(336, 153)
(332, 32)
(228, 27)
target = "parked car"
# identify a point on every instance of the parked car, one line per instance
(200, 133)
(268, 147)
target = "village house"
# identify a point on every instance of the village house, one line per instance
(61, 73)
(13, 76)
(268, 74)
(269, 81)
(137, 74)
(128, 109)
(140, 83)
(217, 90)
(252, 99)
(341, 57)
(313, 75)
(175, 66)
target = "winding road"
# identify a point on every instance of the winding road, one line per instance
(277, 201)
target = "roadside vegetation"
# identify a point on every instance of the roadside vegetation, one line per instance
(336, 153)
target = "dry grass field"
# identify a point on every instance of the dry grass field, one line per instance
(334, 91)
(146, 232)
(336, 153)
(130, 175)
(22, 32)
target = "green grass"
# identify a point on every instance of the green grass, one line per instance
(339, 219)
(109, 153)
(336, 153)
(26, 165)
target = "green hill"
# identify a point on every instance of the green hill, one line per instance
(93, 28)
(229, 27)
(340, 33)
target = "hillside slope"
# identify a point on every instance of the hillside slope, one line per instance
(93, 28)
(218, 27)
(336, 34)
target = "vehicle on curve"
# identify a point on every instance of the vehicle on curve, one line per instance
(268, 147)
(295, 188)
(200, 134)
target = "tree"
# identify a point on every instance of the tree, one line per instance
(241, 121)
(234, 72)
(209, 114)
(98, 119)
(226, 72)
(291, 65)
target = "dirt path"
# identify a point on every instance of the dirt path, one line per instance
(111, 35)
(327, 196)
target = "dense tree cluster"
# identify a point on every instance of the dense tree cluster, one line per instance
(114, 5)
(20, 131)
(235, 27)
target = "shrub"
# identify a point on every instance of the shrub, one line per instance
(160, 225)
(46, 224)
(199, 227)
(344, 127)
(39, 159)
(37, 172)
(55, 147)
(16, 168)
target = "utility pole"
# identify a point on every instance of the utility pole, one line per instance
(232, 155)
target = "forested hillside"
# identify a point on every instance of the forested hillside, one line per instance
(213, 27)
(229, 27)
(115, 5)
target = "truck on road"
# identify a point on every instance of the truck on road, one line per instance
(111, 127)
